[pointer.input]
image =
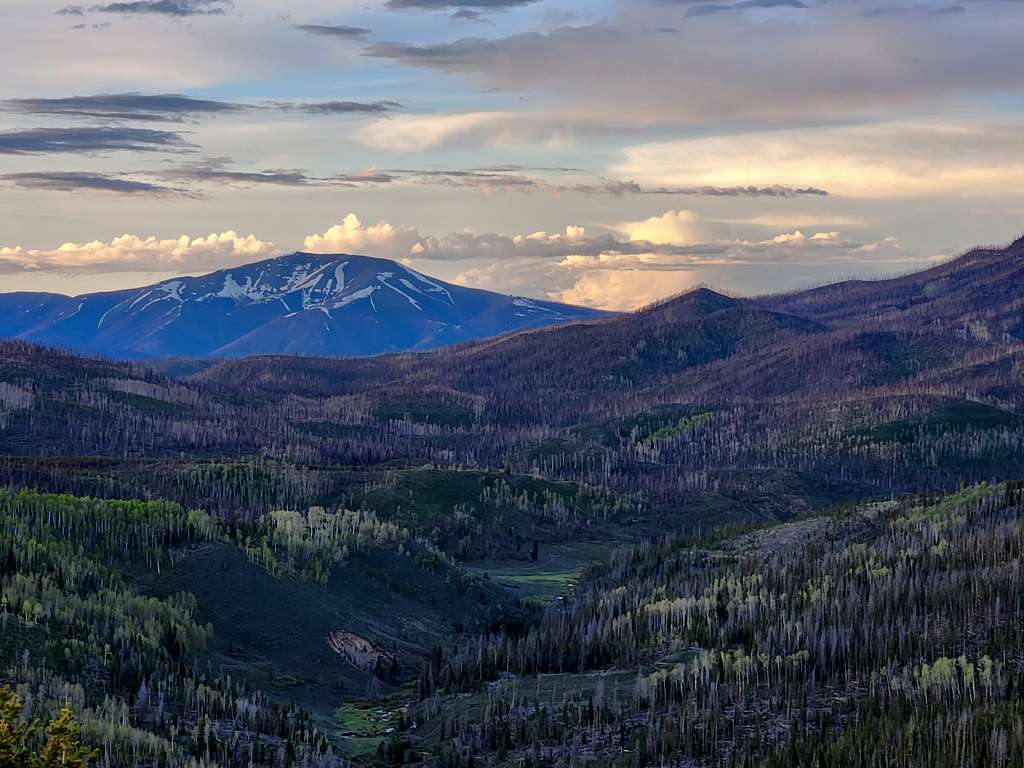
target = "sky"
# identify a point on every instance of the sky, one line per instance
(605, 153)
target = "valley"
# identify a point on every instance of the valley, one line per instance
(771, 531)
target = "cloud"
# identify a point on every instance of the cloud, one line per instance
(175, 107)
(467, 14)
(217, 171)
(341, 107)
(508, 179)
(131, 253)
(624, 290)
(415, 133)
(351, 236)
(674, 240)
(438, 5)
(176, 8)
(894, 159)
(69, 181)
(335, 30)
(85, 140)
(123, 106)
(671, 228)
(708, 9)
(610, 273)
(739, 69)
(606, 269)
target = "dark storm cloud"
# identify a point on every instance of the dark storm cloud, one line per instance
(176, 8)
(85, 140)
(90, 182)
(123, 106)
(334, 30)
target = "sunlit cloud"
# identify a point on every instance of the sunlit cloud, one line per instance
(895, 159)
(133, 253)
(351, 236)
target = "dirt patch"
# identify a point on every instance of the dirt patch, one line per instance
(356, 650)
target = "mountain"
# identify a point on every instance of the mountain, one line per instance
(301, 304)
(379, 557)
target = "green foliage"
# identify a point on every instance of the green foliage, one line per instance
(807, 644)
(75, 632)
(61, 746)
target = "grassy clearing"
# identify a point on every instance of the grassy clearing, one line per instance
(365, 724)
(539, 587)
(553, 575)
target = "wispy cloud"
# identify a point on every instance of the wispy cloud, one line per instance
(175, 107)
(510, 179)
(335, 30)
(440, 5)
(176, 8)
(72, 181)
(340, 107)
(87, 140)
(218, 171)
(123, 106)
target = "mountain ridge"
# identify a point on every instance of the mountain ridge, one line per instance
(336, 305)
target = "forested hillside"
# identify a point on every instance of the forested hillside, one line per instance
(781, 531)
(887, 634)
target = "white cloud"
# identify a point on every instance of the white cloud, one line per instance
(671, 228)
(131, 253)
(415, 133)
(418, 132)
(891, 159)
(624, 290)
(351, 236)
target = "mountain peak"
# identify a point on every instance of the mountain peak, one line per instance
(698, 301)
(297, 303)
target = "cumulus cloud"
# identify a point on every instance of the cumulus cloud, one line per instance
(351, 236)
(671, 228)
(624, 290)
(131, 253)
(647, 260)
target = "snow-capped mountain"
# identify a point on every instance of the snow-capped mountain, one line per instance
(305, 304)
